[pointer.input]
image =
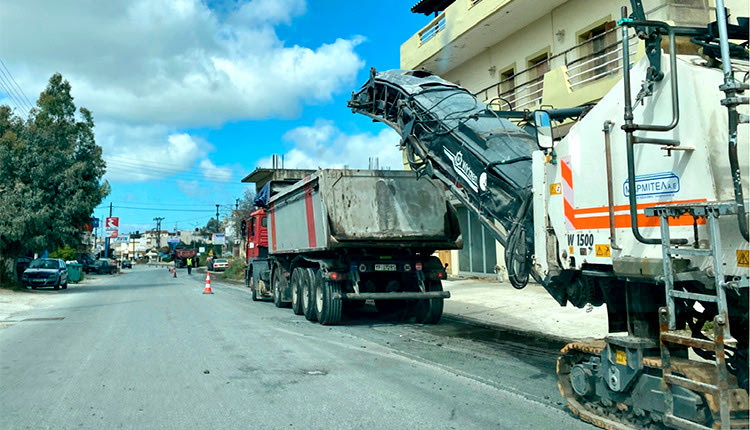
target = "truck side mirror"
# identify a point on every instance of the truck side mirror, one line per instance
(543, 126)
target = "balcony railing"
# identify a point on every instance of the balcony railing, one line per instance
(581, 68)
(517, 97)
(603, 62)
(432, 29)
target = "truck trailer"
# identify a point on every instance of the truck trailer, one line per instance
(347, 236)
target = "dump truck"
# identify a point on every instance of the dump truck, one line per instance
(180, 256)
(640, 207)
(341, 237)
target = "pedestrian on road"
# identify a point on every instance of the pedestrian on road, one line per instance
(189, 265)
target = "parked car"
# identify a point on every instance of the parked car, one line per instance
(126, 264)
(101, 266)
(86, 261)
(46, 272)
(219, 264)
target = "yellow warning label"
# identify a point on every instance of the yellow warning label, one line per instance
(555, 189)
(621, 358)
(570, 248)
(743, 258)
(603, 250)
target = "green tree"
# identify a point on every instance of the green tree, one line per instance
(243, 211)
(51, 175)
(212, 226)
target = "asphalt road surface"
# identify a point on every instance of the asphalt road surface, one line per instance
(145, 350)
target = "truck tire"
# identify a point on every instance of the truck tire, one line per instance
(253, 292)
(297, 275)
(429, 311)
(327, 305)
(278, 285)
(308, 304)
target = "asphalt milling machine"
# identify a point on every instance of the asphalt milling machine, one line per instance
(640, 207)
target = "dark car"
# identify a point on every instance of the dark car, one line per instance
(86, 261)
(126, 264)
(46, 272)
(101, 267)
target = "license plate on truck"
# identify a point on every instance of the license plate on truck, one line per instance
(385, 267)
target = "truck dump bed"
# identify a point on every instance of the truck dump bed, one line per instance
(361, 208)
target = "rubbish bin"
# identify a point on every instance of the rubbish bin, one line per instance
(75, 272)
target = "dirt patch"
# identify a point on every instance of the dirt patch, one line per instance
(14, 303)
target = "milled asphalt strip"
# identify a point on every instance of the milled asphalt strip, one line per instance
(392, 352)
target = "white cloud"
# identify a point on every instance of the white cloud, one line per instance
(177, 63)
(147, 68)
(153, 152)
(324, 145)
(212, 172)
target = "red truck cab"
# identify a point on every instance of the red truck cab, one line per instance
(257, 236)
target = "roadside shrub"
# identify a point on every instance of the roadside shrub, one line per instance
(236, 269)
(64, 253)
(166, 260)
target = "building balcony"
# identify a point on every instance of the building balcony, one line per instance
(466, 28)
(579, 75)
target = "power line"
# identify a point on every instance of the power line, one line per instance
(8, 79)
(154, 166)
(181, 175)
(9, 94)
(20, 90)
(163, 209)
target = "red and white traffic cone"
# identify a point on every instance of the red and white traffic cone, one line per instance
(174, 272)
(207, 290)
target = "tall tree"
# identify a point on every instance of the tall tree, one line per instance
(51, 178)
(243, 211)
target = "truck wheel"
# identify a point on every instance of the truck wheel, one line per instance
(253, 293)
(308, 284)
(327, 305)
(277, 286)
(297, 275)
(429, 311)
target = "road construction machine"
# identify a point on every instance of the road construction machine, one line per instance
(640, 207)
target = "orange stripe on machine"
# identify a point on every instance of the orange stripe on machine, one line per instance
(598, 217)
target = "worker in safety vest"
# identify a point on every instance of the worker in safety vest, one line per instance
(189, 265)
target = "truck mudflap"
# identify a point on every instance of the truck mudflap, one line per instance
(410, 295)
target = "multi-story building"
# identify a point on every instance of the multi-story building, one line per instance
(522, 54)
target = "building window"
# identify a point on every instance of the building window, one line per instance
(508, 87)
(596, 56)
(537, 67)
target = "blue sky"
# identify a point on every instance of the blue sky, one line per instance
(190, 96)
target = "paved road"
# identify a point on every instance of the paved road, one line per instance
(144, 350)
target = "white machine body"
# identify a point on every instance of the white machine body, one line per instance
(571, 186)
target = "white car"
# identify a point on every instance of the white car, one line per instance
(219, 264)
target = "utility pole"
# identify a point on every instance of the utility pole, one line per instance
(217, 218)
(158, 233)
(106, 240)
